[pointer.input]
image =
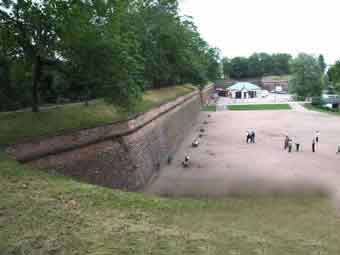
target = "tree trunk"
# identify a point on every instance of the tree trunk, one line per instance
(36, 79)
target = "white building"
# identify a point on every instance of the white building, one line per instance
(244, 90)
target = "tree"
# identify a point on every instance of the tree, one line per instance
(307, 76)
(334, 75)
(266, 63)
(322, 63)
(226, 67)
(281, 64)
(33, 26)
(116, 49)
(213, 66)
(239, 67)
(254, 66)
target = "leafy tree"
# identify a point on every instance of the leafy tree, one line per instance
(78, 50)
(281, 64)
(334, 75)
(226, 67)
(239, 67)
(307, 76)
(258, 64)
(254, 66)
(266, 63)
(322, 63)
(33, 27)
(213, 66)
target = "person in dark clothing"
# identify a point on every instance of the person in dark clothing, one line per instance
(252, 136)
(248, 137)
(317, 135)
(313, 145)
(286, 142)
(186, 161)
(290, 145)
(297, 144)
(195, 143)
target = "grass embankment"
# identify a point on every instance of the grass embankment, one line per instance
(43, 214)
(209, 108)
(311, 107)
(16, 126)
(257, 107)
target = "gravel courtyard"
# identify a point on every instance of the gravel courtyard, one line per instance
(225, 164)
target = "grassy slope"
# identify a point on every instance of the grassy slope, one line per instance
(320, 109)
(42, 214)
(250, 107)
(19, 125)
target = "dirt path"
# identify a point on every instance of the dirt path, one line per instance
(224, 163)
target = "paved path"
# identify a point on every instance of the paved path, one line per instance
(224, 163)
(297, 106)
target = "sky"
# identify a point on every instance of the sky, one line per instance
(242, 27)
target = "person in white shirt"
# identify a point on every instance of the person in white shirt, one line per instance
(186, 161)
(195, 143)
(317, 135)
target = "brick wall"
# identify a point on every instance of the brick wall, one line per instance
(121, 155)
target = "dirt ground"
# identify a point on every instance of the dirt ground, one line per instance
(224, 163)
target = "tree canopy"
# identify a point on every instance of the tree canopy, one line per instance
(334, 75)
(307, 76)
(257, 65)
(55, 50)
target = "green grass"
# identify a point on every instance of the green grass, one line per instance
(45, 214)
(321, 109)
(256, 107)
(17, 126)
(209, 108)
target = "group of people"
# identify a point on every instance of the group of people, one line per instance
(289, 142)
(195, 144)
(250, 136)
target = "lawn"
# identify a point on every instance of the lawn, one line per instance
(209, 108)
(46, 214)
(17, 126)
(256, 107)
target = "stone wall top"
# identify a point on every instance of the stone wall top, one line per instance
(35, 149)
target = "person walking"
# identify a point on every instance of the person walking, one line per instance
(253, 136)
(290, 145)
(186, 161)
(313, 145)
(297, 145)
(248, 138)
(317, 135)
(286, 142)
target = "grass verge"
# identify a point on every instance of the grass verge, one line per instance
(209, 108)
(311, 107)
(43, 214)
(16, 126)
(257, 107)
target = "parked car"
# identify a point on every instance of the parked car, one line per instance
(264, 93)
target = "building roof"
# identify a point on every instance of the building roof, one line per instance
(244, 86)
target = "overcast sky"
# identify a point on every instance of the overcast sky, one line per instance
(242, 27)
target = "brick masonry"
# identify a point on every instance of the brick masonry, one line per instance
(122, 155)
